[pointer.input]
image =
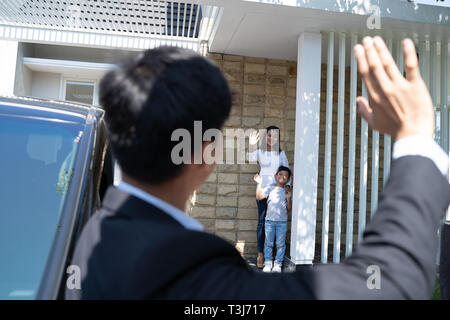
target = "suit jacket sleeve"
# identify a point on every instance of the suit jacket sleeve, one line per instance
(400, 240)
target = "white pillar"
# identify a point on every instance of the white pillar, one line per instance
(306, 155)
(8, 61)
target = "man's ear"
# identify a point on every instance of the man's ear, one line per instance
(197, 173)
(210, 153)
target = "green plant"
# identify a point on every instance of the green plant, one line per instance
(437, 291)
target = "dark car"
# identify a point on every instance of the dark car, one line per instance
(51, 181)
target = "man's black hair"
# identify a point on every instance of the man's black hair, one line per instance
(283, 168)
(146, 99)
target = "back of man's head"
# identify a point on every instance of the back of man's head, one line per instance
(146, 99)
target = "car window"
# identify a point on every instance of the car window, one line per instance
(36, 167)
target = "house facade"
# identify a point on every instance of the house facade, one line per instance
(289, 63)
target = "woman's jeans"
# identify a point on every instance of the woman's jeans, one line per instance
(260, 235)
(275, 230)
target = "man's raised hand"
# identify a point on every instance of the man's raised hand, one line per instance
(397, 106)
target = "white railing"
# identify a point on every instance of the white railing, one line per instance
(135, 24)
(358, 210)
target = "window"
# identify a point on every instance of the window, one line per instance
(35, 172)
(80, 91)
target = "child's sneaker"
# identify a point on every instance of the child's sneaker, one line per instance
(276, 267)
(267, 266)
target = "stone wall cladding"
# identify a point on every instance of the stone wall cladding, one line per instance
(263, 95)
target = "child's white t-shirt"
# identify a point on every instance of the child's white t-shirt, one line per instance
(276, 203)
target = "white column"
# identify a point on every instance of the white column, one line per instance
(8, 61)
(306, 157)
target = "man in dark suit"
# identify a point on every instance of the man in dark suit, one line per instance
(142, 245)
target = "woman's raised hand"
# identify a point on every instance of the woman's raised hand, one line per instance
(253, 138)
(257, 178)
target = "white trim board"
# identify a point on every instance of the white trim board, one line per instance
(83, 69)
(89, 39)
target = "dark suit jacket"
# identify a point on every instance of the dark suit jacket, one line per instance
(132, 250)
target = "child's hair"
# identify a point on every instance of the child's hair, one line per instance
(283, 168)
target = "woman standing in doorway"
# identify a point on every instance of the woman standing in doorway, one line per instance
(270, 157)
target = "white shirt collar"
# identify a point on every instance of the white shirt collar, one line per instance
(177, 214)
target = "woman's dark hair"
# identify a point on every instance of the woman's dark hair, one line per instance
(283, 168)
(274, 128)
(149, 97)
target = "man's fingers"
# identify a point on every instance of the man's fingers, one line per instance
(375, 66)
(363, 67)
(364, 110)
(411, 62)
(386, 59)
(372, 84)
(360, 56)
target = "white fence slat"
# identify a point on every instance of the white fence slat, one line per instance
(444, 96)
(352, 150)
(363, 171)
(196, 17)
(328, 142)
(163, 27)
(375, 169)
(433, 77)
(423, 59)
(340, 151)
(444, 130)
(387, 138)
(191, 12)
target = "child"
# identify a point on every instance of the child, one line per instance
(278, 204)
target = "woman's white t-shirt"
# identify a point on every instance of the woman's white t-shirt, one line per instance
(269, 162)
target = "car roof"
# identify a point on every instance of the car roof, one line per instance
(50, 109)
